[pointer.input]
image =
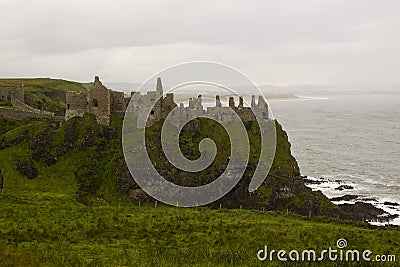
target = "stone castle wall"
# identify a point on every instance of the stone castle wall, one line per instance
(76, 104)
(118, 103)
(99, 100)
(10, 94)
(24, 107)
(220, 113)
(20, 114)
(16, 97)
(5, 94)
(141, 103)
(18, 94)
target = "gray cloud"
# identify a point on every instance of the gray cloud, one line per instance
(275, 42)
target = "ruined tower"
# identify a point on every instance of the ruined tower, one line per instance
(99, 100)
(159, 87)
(217, 102)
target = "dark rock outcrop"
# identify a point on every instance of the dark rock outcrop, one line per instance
(344, 187)
(387, 203)
(361, 211)
(344, 198)
(26, 167)
(310, 181)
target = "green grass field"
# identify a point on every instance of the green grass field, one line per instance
(129, 235)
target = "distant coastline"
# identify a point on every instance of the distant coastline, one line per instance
(225, 97)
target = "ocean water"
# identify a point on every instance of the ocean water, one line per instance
(351, 139)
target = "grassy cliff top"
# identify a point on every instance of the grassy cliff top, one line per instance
(44, 84)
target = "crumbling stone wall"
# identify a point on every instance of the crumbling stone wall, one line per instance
(16, 97)
(18, 94)
(10, 94)
(167, 105)
(161, 108)
(24, 107)
(20, 114)
(76, 104)
(5, 94)
(195, 109)
(118, 104)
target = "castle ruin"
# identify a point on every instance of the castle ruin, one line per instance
(104, 103)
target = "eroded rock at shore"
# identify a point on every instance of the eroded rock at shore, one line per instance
(387, 203)
(344, 187)
(344, 198)
(312, 181)
(361, 211)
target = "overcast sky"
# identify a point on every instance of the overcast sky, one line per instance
(274, 42)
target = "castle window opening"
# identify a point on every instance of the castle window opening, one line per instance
(152, 112)
(95, 103)
(67, 106)
(265, 115)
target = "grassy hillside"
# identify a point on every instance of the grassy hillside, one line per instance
(45, 93)
(73, 164)
(76, 235)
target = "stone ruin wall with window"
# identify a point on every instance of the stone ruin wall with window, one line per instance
(12, 94)
(99, 100)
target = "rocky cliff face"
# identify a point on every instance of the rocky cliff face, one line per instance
(283, 189)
